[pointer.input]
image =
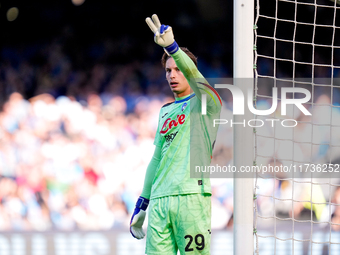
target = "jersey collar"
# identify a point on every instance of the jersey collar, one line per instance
(185, 99)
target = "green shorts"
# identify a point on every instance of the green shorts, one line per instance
(181, 223)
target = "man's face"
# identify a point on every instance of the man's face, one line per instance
(178, 84)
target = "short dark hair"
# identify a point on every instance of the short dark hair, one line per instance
(165, 56)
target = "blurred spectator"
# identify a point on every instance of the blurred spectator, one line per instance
(335, 218)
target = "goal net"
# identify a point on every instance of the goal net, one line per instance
(297, 195)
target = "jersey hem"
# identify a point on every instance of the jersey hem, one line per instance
(181, 193)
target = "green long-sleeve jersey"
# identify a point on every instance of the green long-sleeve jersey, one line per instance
(185, 136)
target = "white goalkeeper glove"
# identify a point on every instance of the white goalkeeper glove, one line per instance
(163, 34)
(138, 218)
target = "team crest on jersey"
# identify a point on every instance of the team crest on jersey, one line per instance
(184, 106)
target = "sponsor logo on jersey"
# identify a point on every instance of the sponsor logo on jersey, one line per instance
(169, 124)
(170, 137)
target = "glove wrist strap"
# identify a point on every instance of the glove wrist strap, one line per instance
(142, 203)
(172, 48)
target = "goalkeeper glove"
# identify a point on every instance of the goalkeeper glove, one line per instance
(163, 34)
(138, 217)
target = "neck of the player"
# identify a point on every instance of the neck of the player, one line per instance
(184, 95)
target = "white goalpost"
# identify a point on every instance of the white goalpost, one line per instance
(296, 206)
(243, 136)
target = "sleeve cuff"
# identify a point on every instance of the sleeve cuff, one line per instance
(142, 203)
(172, 48)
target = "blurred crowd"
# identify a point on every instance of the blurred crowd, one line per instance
(65, 165)
(76, 139)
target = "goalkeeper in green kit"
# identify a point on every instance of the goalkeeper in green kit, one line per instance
(179, 206)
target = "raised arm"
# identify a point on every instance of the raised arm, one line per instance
(197, 81)
(164, 37)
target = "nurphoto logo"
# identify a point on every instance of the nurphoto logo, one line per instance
(238, 106)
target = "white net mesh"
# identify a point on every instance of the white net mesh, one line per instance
(298, 45)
